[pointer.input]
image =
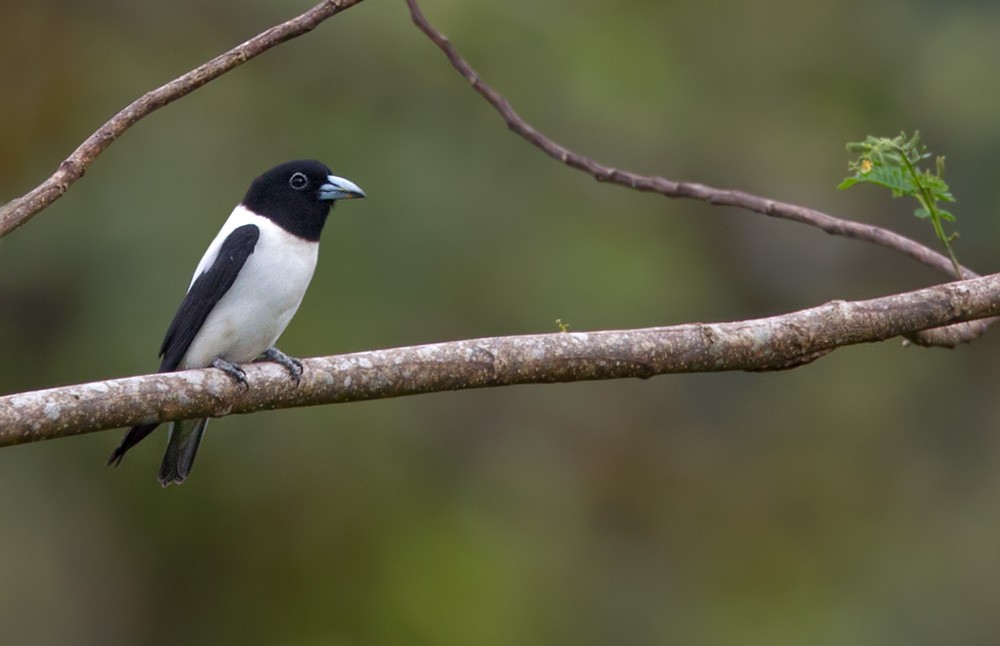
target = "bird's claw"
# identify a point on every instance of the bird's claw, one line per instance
(291, 364)
(233, 371)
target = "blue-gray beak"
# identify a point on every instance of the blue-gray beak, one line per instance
(338, 188)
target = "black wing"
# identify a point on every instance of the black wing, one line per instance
(195, 308)
(206, 291)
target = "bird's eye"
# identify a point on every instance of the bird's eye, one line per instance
(298, 181)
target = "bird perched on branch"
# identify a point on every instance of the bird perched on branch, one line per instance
(245, 290)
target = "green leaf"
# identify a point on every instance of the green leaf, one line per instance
(895, 163)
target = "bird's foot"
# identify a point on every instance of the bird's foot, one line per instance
(232, 370)
(291, 364)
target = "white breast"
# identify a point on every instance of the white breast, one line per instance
(268, 290)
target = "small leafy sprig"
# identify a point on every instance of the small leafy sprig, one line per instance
(895, 164)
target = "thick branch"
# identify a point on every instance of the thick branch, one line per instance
(717, 196)
(772, 343)
(22, 209)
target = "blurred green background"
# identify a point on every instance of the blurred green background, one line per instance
(854, 500)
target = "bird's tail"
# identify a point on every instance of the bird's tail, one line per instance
(185, 436)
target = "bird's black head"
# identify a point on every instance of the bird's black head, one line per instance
(297, 196)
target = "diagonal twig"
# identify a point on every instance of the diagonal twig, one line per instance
(961, 333)
(675, 189)
(22, 209)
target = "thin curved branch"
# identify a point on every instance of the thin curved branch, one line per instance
(704, 193)
(670, 188)
(20, 210)
(773, 343)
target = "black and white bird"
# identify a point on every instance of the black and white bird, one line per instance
(245, 290)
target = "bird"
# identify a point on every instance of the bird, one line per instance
(245, 290)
